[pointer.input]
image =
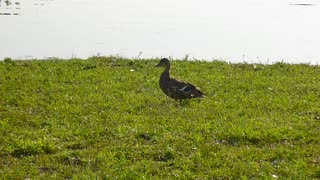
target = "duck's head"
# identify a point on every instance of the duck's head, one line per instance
(164, 62)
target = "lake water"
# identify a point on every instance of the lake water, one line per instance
(230, 30)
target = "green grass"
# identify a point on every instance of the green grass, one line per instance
(106, 117)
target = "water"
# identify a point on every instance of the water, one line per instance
(230, 30)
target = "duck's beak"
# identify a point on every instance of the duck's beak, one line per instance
(158, 65)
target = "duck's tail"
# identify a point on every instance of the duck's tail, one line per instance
(199, 94)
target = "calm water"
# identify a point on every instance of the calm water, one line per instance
(231, 30)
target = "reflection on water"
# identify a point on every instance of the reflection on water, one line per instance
(303, 4)
(8, 7)
(11, 7)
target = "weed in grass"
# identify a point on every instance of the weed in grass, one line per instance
(26, 148)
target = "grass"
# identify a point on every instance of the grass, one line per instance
(106, 118)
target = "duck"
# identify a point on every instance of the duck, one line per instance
(176, 89)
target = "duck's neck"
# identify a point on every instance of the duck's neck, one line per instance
(165, 73)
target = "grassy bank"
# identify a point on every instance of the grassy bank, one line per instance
(107, 118)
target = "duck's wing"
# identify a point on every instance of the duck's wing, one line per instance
(185, 88)
(179, 85)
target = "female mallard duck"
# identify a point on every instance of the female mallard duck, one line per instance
(175, 89)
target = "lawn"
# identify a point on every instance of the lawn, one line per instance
(106, 118)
